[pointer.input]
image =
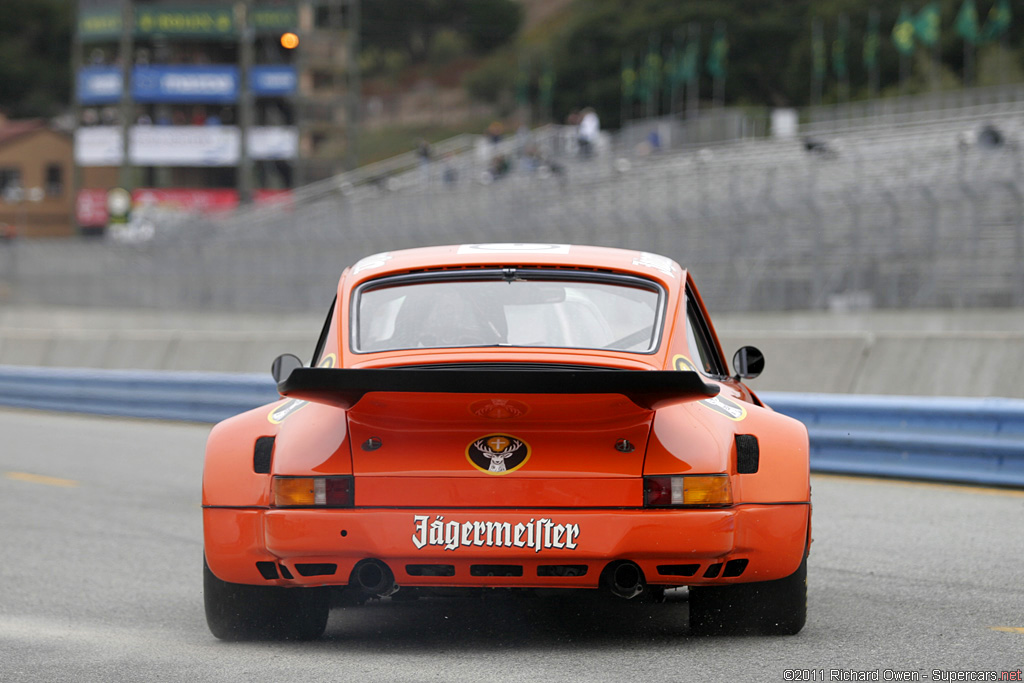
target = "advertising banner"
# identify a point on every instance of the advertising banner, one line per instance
(193, 22)
(273, 142)
(185, 84)
(91, 205)
(274, 19)
(99, 85)
(211, 21)
(273, 81)
(183, 145)
(91, 208)
(98, 146)
(189, 200)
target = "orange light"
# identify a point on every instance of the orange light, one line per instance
(713, 490)
(289, 41)
(687, 491)
(290, 491)
(332, 492)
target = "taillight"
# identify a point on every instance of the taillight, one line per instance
(687, 491)
(332, 492)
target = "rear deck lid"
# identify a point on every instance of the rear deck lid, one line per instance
(497, 438)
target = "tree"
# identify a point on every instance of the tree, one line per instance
(35, 57)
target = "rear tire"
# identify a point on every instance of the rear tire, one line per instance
(768, 607)
(241, 612)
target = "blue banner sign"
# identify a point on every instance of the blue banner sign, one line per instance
(184, 84)
(99, 84)
(273, 81)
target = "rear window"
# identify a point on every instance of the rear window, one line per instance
(514, 308)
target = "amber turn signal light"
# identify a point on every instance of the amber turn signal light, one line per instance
(688, 491)
(290, 492)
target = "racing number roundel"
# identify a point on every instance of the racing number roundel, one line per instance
(497, 453)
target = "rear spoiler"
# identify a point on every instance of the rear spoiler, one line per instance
(344, 388)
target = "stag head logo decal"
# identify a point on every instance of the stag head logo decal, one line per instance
(498, 453)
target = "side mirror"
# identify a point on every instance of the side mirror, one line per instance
(748, 362)
(283, 365)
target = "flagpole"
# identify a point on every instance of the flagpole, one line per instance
(693, 86)
(873, 75)
(844, 81)
(719, 80)
(625, 93)
(904, 73)
(968, 64)
(817, 48)
(676, 56)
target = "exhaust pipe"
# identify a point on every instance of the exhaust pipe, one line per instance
(624, 579)
(373, 578)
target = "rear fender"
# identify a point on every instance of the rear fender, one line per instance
(229, 478)
(783, 473)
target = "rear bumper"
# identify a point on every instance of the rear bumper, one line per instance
(503, 548)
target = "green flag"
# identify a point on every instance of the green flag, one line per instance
(871, 42)
(688, 67)
(903, 32)
(652, 69)
(523, 81)
(718, 56)
(999, 18)
(926, 24)
(674, 67)
(966, 22)
(629, 84)
(818, 64)
(546, 84)
(839, 50)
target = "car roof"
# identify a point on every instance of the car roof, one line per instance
(653, 266)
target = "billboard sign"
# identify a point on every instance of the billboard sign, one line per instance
(184, 84)
(99, 84)
(273, 81)
(212, 21)
(185, 22)
(91, 205)
(183, 145)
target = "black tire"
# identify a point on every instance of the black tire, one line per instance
(241, 612)
(768, 607)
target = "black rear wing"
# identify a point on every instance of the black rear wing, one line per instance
(344, 388)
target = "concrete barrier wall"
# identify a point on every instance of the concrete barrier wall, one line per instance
(205, 351)
(968, 364)
(916, 353)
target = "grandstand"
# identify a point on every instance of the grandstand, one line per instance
(893, 211)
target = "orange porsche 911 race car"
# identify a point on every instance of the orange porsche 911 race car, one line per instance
(509, 416)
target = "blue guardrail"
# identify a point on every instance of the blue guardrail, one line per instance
(977, 440)
(192, 396)
(945, 439)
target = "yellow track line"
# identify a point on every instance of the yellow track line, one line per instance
(40, 479)
(1007, 629)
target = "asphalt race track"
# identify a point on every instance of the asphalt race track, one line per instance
(101, 530)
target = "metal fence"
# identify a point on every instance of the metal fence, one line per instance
(930, 215)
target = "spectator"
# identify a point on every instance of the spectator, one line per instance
(990, 136)
(495, 132)
(423, 153)
(449, 175)
(589, 131)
